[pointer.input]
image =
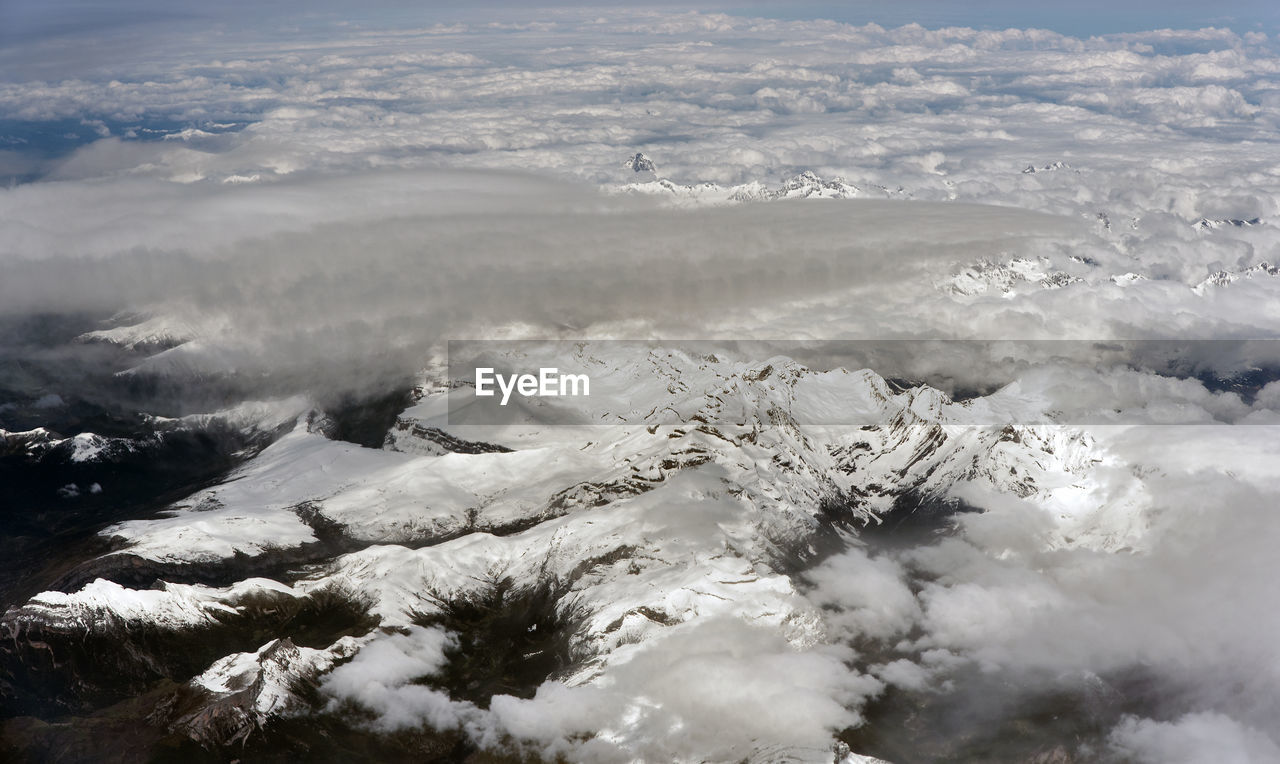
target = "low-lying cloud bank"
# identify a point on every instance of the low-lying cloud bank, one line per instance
(338, 285)
(307, 285)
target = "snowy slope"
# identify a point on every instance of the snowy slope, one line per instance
(666, 531)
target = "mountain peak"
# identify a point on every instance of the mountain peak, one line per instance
(640, 163)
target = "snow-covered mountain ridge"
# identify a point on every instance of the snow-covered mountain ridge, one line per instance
(805, 185)
(657, 530)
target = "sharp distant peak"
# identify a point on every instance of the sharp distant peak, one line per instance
(640, 163)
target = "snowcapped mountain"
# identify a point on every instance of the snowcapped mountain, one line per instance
(157, 329)
(1005, 278)
(641, 532)
(254, 418)
(640, 164)
(806, 185)
(1223, 278)
(1051, 167)
(1207, 224)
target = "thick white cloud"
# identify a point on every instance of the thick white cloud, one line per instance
(720, 687)
(1191, 613)
(1191, 739)
(380, 679)
(869, 595)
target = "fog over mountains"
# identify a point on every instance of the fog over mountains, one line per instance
(946, 430)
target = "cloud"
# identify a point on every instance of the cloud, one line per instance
(574, 96)
(379, 678)
(1194, 611)
(717, 686)
(336, 143)
(366, 276)
(1193, 738)
(870, 594)
(1180, 627)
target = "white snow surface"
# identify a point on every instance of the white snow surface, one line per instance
(102, 604)
(673, 536)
